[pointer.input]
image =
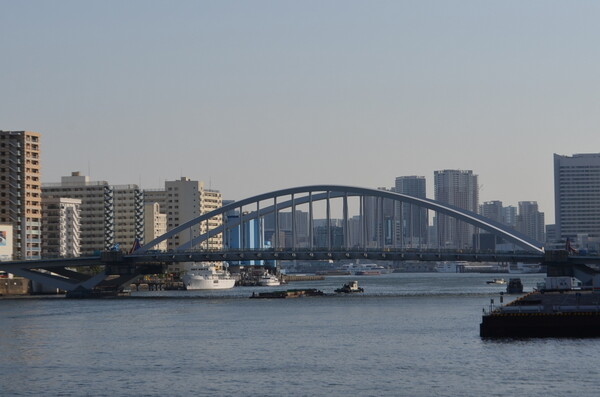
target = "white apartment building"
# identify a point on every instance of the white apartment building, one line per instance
(111, 216)
(61, 224)
(155, 224)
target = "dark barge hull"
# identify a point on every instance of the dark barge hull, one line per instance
(290, 293)
(539, 325)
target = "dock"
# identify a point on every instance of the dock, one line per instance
(572, 313)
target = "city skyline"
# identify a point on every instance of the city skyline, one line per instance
(255, 97)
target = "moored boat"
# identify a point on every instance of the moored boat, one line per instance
(203, 277)
(269, 280)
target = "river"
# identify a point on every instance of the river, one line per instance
(407, 335)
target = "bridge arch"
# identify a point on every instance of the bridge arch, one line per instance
(314, 193)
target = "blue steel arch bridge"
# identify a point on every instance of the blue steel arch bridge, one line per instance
(119, 269)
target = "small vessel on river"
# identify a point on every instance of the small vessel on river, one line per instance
(350, 287)
(269, 280)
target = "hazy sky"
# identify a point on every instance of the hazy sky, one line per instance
(254, 96)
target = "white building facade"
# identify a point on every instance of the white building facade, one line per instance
(577, 196)
(61, 227)
(183, 200)
(111, 216)
(155, 224)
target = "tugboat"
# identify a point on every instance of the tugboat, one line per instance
(350, 287)
(496, 281)
(514, 286)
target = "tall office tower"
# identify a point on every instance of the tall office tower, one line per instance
(155, 224)
(577, 196)
(414, 220)
(185, 200)
(492, 210)
(61, 224)
(379, 221)
(460, 189)
(530, 221)
(111, 216)
(20, 191)
(355, 232)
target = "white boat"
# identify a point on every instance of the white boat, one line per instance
(207, 277)
(523, 268)
(364, 269)
(496, 281)
(269, 280)
(450, 267)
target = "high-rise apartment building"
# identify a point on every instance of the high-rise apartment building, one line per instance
(459, 189)
(20, 191)
(413, 219)
(112, 217)
(128, 215)
(577, 196)
(61, 224)
(183, 200)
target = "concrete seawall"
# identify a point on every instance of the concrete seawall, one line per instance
(14, 286)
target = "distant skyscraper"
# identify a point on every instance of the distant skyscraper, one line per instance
(492, 210)
(577, 195)
(20, 191)
(413, 219)
(530, 221)
(379, 220)
(460, 189)
(286, 227)
(509, 216)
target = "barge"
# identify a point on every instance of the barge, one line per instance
(290, 293)
(557, 313)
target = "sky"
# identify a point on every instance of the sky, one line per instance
(254, 96)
